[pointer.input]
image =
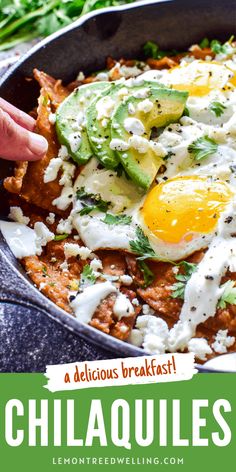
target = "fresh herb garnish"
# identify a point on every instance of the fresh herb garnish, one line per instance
(204, 43)
(228, 295)
(218, 48)
(23, 20)
(60, 237)
(152, 50)
(202, 148)
(117, 219)
(148, 275)
(91, 202)
(87, 276)
(178, 288)
(217, 107)
(44, 271)
(141, 246)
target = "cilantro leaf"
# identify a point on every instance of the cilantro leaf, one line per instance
(204, 43)
(87, 276)
(178, 288)
(60, 237)
(217, 107)
(218, 48)
(117, 219)
(91, 202)
(148, 275)
(202, 148)
(152, 50)
(228, 295)
(141, 246)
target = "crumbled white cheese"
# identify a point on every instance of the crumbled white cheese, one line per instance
(64, 200)
(147, 310)
(105, 107)
(200, 348)
(136, 338)
(119, 145)
(131, 109)
(16, 214)
(63, 153)
(80, 77)
(85, 304)
(139, 143)
(64, 266)
(154, 333)
(134, 126)
(74, 140)
(42, 285)
(51, 218)
(68, 171)
(52, 118)
(158, 149)
(65, 226)
(145, 106)
(96, 264)
(142, 93)
(43, 236)
(135, 302)
(102, 76)
(222, 341)
(122, 306)
(52, 169)
(73, 250)
(126, 279)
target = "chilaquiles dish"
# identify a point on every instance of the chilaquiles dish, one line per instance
(128, 223)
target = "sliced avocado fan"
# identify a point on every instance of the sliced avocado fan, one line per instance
(131, 127)
(99, 115)
(71, 122)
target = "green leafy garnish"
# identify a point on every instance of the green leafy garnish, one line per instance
(202, 148)
(228, 295)
(152, 50)
(91, 202)
(218, 108)
(23, 20)
(60, 237)
(179, 287)
(117, 219)
(141, 246)
(204, 43)
(87, 276)
(148, 275)
(218, 48)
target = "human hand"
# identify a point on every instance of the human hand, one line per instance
(17, 140)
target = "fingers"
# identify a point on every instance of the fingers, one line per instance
(18, 116)
(19, 144)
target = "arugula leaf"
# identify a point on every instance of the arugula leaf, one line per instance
(60, 237)
(228, 295)
(178, 288)
(117, 219)
(91, 202)
(218, 108)
(87, 276)
(148, 275)
(202, 148)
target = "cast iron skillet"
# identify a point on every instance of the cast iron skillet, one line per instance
(120, 32)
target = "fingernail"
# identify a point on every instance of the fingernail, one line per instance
(38, 144)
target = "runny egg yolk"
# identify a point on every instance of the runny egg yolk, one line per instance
(176, 209)
(199, 78)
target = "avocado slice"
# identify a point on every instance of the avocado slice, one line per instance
(99, 115)
(131, 138)
(70, 117)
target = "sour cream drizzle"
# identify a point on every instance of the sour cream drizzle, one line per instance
(203, 290)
